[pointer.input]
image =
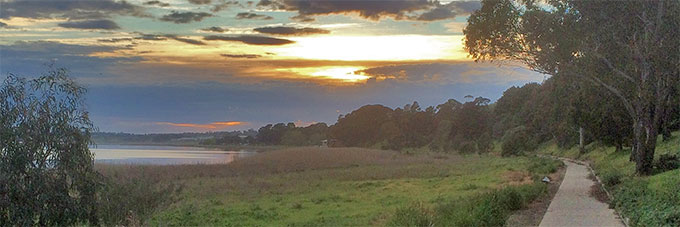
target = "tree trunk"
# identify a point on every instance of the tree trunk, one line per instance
(644, 143)
(581, 145)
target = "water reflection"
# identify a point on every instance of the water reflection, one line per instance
(163, 155)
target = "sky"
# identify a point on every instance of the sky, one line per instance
(161, 66)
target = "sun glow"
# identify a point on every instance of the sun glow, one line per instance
(338, 73)
(394, 47)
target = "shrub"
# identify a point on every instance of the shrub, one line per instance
(415, 214)
(132, 201)
(544, 166)
(667, 162)
(611, 178)
(516, 141)
(46, 168)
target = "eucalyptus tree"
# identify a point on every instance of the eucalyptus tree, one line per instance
(47, 176)
(628, 48)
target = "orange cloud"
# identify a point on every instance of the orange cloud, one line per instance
(214, 125)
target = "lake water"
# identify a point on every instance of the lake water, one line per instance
(163, 155)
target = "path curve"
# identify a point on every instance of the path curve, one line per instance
(574, 206)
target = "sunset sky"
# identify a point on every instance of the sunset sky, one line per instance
(213, 65)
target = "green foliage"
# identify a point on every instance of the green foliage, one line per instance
(611, 177)
(415, 214)
(586, 43)
(291, 135)
(46, 168)
(486, 209)
(544, 166)
(516, 142)
(362, 126)
(667, 162)
(647, 207)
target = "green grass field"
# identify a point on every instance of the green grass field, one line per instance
(646, 201)
(324, 186)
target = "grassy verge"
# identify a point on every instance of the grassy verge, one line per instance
(337, 186)
(490, 208)
(646, 201)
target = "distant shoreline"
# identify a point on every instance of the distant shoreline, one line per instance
(251, 148)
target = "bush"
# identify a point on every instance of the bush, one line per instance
(611, 178)
(543, 166)
(415, 214)
(516, 141)
(667, 162)
(46, 168)
(132, 201)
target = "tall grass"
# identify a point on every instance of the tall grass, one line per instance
(132, 193)
(308, 187)
(485, 209)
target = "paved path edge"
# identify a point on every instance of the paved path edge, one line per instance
(623, 218)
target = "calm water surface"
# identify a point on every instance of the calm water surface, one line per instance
(163, 155)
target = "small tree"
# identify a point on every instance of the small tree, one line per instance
(46, 168)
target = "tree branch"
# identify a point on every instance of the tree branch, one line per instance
(617, 71)
(626, 102)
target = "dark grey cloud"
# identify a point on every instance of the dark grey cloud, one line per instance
(200, 2)
(115, 40)
(255, 16)
(184, 17)
(215, 29)
(466, 7)
(370, 9)
(251, 39)
(449, 11)
(427, 10)
(26, 58)
(104, 24)
(224, 5)
(2, 25)
(52, 48)
(158, 3)
(461, 72)
(74, 9)
(186, 40)
(437, 14)
(152, 37)
(249, 56)
(281, 30)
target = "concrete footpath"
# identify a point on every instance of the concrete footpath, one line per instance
(574, 206)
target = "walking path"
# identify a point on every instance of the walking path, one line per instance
(574, 206)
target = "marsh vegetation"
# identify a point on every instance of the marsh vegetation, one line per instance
(328, 186)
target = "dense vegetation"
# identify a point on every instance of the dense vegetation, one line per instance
(627, 49)
(47, 175)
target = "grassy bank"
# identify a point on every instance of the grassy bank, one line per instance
(646, 201)
(342, 186)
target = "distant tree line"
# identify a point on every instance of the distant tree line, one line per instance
(566, 112)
